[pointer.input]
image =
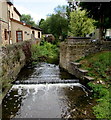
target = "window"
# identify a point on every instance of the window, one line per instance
(19, 36)
(9, 14)
(5, 33)
(38, 34)
(33, 34)
(12, 15)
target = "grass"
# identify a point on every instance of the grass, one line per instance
(99, 67)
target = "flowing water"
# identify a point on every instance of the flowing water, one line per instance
(46, 91)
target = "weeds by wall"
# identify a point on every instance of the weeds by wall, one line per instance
(99, 67)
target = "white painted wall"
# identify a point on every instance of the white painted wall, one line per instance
(108, 32)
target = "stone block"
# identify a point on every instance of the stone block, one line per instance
(88, 78)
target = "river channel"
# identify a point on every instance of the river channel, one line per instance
(46, 91)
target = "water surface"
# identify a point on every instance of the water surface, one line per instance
(45, 91)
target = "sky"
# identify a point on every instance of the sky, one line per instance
(38, 8)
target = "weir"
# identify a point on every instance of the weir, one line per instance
(46, 91)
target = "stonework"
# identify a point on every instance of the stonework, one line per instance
(4, 26)
(73, 51)
(13, 58)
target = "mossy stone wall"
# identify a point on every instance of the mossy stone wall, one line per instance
(12, 59)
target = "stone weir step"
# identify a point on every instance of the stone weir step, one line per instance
(45, 82)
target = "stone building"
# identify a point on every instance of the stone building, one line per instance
(11, 29)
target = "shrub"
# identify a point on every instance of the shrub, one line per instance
(80, 24)
(46, 50)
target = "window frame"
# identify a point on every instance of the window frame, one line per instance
(17, 37)
(39, 34)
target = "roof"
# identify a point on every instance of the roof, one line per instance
(35, 28)
(10, 3)
(19, 22)
(17, 11)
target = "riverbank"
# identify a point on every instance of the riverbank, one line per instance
(12, 59)
(99, 67)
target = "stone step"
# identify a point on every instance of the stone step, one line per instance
(76, 64)
(88, 78)
(83, 71)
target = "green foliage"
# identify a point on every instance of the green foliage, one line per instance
(102, 109)
(102, 14)
(80, 24)
(99, 66)
(56, 25)
(45, 52)
(28, 20)
(40, 22)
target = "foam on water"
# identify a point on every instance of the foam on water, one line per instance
(45, 91)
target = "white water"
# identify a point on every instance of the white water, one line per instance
(58, 100)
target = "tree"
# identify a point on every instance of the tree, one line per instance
(56, 25)
(99, 11)
(28, 20)
(61, 10)
(44, 25)
(80, 24)
(40, 22)
(73, 4)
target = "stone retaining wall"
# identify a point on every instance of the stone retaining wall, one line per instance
(12, 59)
(72, 51)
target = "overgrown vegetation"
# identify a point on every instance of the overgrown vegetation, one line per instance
(103, 107)
(46, 52)
(80, 24)
(99, 66)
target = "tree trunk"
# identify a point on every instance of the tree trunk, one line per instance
(101, 34)
(101, 28)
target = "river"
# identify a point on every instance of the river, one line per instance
(46, 91)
